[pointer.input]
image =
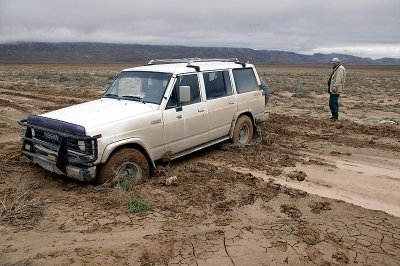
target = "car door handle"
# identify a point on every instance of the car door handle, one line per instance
(200, 110)
(156, 121)
(231, 102)
(179, 116)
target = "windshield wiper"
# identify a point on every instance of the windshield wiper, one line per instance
(134, 98)
(110, 95)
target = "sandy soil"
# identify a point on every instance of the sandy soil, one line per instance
(306, 192)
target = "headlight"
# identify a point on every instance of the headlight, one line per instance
(23, 132)
(81, 145)
(33, 132)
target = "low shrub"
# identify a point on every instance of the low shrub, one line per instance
(137, 205)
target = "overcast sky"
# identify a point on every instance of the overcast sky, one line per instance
(369, 28)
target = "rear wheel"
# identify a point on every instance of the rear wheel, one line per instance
(243, 132)
(127, 164)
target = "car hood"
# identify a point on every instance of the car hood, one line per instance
(99, 112)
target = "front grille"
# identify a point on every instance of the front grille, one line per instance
(48, 141)
(46, 136)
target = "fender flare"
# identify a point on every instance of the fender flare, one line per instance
(132, 142)
(247, 112)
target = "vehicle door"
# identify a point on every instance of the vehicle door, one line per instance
(249, 95)
(185, 116)
(221, 102)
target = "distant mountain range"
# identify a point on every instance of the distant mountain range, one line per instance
(38, 52)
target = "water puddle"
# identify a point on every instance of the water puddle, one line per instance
(367, 181)
(369, 170)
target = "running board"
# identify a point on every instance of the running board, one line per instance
(197, 148)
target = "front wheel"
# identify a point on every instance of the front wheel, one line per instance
(243, 132)
(125, 164)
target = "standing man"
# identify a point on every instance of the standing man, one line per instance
(336, 86)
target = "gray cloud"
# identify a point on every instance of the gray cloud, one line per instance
(360, 27)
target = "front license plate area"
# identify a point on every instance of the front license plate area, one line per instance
(52, 157)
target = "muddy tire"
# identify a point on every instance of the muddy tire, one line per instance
(124, 164)
(243, 132)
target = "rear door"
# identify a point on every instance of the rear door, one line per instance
(249, 95)
(221, 102)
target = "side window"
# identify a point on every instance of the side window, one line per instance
(217, 84)
(245, 80)
(190, 86)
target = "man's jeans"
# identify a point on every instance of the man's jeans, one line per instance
(334, 105)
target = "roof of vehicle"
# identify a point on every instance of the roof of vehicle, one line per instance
(181, 66)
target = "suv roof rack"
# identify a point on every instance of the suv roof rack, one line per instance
(190, 61)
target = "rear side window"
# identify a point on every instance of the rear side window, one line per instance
(245, 80)
(217, 84)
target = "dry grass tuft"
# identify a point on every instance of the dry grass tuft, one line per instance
(24, 211)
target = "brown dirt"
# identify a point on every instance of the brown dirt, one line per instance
(229, 204)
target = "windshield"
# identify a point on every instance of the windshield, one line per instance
(147, 87)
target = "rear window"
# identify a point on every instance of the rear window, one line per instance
(217, 84)
(245, 80)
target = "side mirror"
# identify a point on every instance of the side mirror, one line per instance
(265, 90)
(184, 94)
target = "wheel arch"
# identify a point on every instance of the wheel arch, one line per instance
(132, 143)
(245, 113)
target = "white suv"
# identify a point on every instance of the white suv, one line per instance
(167, 108)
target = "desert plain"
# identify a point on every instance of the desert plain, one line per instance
(229, 205)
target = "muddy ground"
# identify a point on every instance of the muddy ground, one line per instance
(229, 205)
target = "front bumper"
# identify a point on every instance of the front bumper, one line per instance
(81, 174)
(61, 148)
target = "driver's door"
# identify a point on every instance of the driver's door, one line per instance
(185, 118)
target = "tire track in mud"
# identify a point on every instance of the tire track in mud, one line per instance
(31, 96)
(11, 92)
(19, 104)
(12, 104)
